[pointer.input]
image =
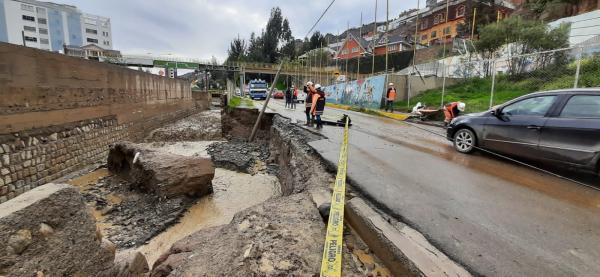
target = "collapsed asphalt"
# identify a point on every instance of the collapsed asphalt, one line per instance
(492, 216)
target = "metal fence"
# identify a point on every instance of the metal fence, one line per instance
(488, 82)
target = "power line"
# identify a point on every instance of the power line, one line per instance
(321, 17)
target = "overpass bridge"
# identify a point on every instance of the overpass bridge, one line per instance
(291, 69)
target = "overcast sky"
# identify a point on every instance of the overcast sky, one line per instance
(203, 28)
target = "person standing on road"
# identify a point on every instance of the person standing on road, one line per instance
(294, 96)
(452, 110)
(318, 105)
(288, 98)
(309, 89)
(390, 97)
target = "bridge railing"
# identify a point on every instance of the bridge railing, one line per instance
(249, 65)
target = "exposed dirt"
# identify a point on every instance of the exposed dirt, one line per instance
(127, 216)
(241, 156)
(281, 237)
(201, 126)
(268, 236)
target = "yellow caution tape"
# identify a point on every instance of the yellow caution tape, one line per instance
(331, 264)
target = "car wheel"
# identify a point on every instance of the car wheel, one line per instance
(465, 141)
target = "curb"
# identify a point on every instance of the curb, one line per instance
(405, 252)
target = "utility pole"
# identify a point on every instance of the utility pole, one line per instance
(414, 52)
(473, 27)
(350, 51)
(374, 41)
(387, 41)
(321, 64)
(360, 56)
(444, 56)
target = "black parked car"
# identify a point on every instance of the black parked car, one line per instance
(560, 126)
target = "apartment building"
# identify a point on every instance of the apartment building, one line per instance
(50, 26)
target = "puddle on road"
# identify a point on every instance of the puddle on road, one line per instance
(233, 192)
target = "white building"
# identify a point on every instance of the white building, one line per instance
(50, 26)
(96, 30)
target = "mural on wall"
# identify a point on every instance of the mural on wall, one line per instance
(364, 93)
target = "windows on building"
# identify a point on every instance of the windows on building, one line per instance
(91, 31)
(105, 34)
(345, 52)
(424, 24)
(42, 21)
(439, 18)
(107, 43)
(92, 40)
(354, 49)
(447, 30)
(32, 39)
(43, 31)
(28, 8)
(40, 10)
(44, 41)
(28, 18)
(460, 11)
(434, 34)
(424, 37)
(29, 28)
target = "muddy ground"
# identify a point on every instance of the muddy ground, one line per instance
(247, 174)
(205, 125)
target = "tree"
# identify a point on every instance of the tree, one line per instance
(272, 36)
(289, 45)
(317, 40)
(255, 48)
(274, 41)
(237, 50)
(522, 37)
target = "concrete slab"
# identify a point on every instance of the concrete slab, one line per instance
(405, 251)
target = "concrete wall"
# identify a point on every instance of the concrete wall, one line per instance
(418, 85)
(59, 113)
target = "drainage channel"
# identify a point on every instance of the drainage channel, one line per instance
(289, 168)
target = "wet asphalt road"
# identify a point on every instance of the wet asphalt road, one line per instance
(494, 217)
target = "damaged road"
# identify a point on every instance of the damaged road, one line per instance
(494, 217)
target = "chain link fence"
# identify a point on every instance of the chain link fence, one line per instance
(482, 84)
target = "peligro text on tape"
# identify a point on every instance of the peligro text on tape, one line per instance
(331, 264)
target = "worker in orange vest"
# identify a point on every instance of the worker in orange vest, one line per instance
(452, 110)
(390, 97)
(318, 105)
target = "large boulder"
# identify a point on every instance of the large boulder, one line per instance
(130, 263)
(49, 229)
(281, 237)
(161, 173)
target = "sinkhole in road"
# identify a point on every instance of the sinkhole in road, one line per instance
(246, 175)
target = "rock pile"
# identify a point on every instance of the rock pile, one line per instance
(49, 231)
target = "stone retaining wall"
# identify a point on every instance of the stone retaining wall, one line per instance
(59, 114)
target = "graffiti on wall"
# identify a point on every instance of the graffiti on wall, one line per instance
(364, 93)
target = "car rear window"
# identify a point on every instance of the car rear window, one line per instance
(582, 106)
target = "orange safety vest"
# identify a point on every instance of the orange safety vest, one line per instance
(392, 94)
